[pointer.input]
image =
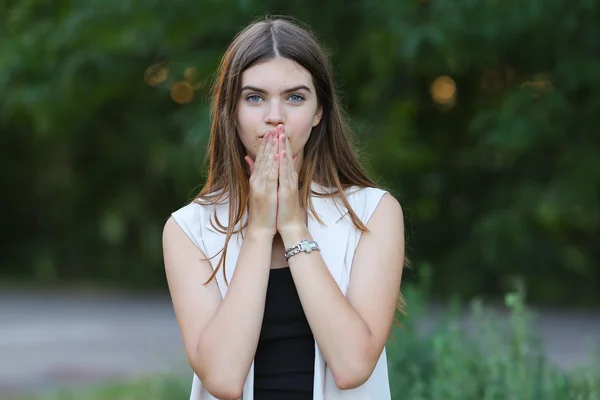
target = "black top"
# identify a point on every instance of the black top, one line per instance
(285, 358)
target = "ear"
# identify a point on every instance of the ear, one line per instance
(318, 116)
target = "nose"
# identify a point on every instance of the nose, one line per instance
(275, 114)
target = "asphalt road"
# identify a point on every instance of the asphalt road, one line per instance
(67, 338)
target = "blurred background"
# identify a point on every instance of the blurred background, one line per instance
(481, 117)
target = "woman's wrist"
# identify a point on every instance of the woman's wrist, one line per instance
(259, 234)
(293, 234)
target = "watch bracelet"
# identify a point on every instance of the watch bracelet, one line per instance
(288, 255)
(297, 248)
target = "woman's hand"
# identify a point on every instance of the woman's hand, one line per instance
(290, 216)
(262, 207)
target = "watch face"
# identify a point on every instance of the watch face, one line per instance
(310, 246)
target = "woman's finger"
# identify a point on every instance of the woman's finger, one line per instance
(274, 166)
(260, 155)
(290, 162)
(270, 159)
(263, 170)
(291, 167)
(274, 172)
(264, 152)
(250, 163)
(283, 165)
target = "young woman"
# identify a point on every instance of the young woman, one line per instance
(285, 270)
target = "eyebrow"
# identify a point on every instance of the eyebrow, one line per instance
(293, 89)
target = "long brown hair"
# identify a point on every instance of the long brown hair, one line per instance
(330, 158)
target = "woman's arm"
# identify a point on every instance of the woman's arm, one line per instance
(351, 331)
(220, 336)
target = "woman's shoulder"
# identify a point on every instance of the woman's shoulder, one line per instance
(349, 191)
(200, 205)
(364, 200)
(190, 210)
(192, 216)
(364, 193)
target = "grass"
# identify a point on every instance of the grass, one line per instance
(161, 387)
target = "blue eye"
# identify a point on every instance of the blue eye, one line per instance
(296, 98)
(253, 98)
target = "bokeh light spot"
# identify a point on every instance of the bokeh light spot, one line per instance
(191, 76)
(156, 74)
(539, 84)
(182, 92)
(443, 90)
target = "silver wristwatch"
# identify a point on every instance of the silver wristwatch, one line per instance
(304, 245)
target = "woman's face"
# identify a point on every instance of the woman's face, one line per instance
(273, 92)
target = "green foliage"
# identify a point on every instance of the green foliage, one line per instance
(490, 359)
(502, 182)
(498, 177)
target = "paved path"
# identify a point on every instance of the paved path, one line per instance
(50, 339)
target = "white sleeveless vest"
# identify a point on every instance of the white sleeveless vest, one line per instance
(338, 241)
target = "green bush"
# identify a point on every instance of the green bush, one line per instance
(489, 361)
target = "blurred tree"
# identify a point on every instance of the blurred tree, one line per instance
(482, 116)
(490, 140)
